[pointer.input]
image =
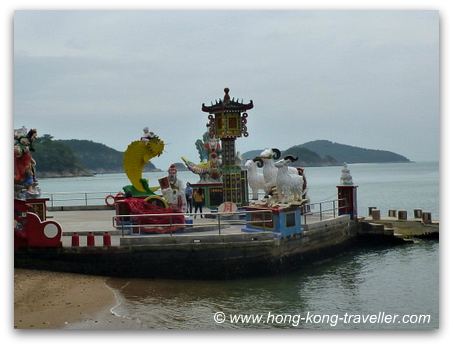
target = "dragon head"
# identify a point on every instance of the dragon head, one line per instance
(154, 148)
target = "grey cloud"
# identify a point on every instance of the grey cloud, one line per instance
(356, 77)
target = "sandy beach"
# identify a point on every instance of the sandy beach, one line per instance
(45, 299)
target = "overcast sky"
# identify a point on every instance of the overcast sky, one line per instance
(369, 79)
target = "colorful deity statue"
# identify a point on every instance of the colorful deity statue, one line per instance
(210, 152)
(209, 148)
(25, 182)
(175, 193)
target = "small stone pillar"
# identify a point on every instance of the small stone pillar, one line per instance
(347, 194)
(426, 217)
(392, 213)
(376, 214)
(371, 209)
(402, 215)
(417, 213)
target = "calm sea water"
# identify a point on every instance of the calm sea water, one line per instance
(385, 186)
(397, 280)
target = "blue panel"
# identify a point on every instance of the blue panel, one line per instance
(286, 223)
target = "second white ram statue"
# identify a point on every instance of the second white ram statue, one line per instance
(290, 187)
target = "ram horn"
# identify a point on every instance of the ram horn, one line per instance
(291, 157)
(259, 162)
(277, 154)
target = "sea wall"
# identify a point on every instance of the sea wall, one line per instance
(200, 256)
(319, 240)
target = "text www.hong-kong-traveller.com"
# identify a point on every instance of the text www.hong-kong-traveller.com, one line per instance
(319, 320)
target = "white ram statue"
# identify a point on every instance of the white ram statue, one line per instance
(266, 161)
(290, 187)
(255, 179)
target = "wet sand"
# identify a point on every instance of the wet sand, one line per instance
(45, 299)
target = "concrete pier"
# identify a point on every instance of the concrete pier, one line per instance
(205, 251)
(194, 254)
(409, 228)
(82, 222)
(100, 221)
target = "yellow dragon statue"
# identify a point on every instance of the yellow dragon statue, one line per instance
(136, 156)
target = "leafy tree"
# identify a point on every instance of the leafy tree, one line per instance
(52, 156)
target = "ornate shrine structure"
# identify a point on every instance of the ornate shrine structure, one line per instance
(227, 121)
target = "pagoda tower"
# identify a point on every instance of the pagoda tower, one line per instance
(227, 121)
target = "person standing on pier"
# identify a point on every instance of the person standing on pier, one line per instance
(189, 197)
(198, 199)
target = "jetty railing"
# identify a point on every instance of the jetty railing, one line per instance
(322, 210)
(133, 223)
(130, 224)
(57, 199)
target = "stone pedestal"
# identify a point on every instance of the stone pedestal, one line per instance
(417, 213)
(426, 217)
(376, 214)
(402, 215)
(347, 200)
(283, 222)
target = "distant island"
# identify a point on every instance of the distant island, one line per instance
(67, 158)
(327, 153)
(181, 166)
(55, 159)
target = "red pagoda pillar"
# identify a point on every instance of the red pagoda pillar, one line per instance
(347, 200)
(347, 194)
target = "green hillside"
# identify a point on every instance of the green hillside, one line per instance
(65, 158)
(55, 159)
(307, 157)
(98, 157)
(351, 154)
(250, 154)
(324, 153)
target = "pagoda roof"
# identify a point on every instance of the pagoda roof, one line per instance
(227, 105)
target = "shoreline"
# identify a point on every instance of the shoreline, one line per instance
(49, 300)
(107, 319)
(46, 175)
